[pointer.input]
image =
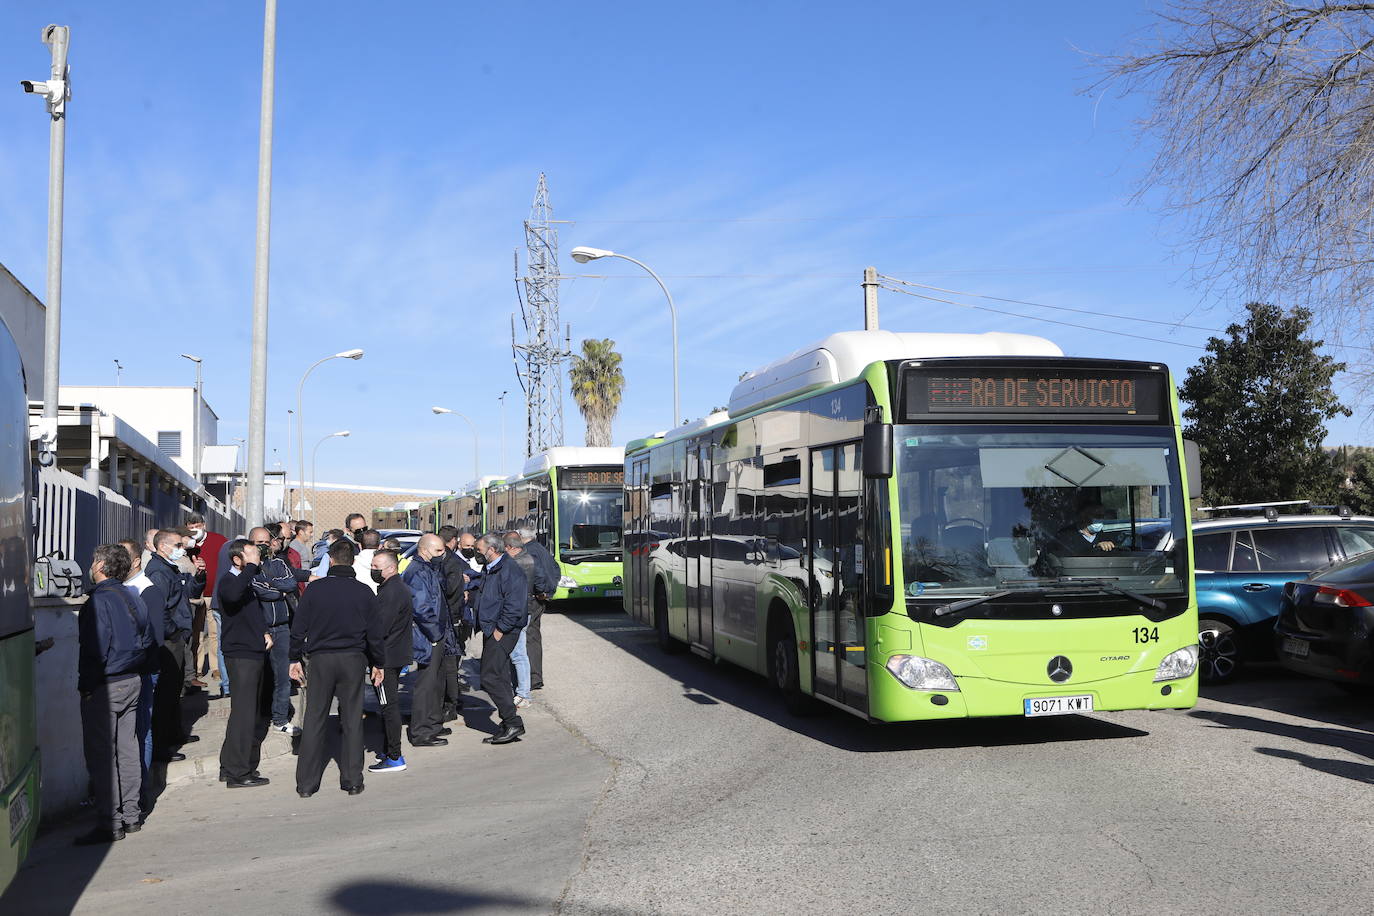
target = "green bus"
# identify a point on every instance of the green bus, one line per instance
(467, 511)
(19, 761)
(918, 526)
(572, 498)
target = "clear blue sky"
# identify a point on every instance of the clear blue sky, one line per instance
(757, 154)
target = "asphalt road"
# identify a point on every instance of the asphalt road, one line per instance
(667, 784)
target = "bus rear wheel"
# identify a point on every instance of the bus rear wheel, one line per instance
(783, 671)
(666, 642)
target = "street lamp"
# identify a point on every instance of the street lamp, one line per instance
(300, 415)
(440, 410)
(582, 254)
(314, 478)
(195, 420)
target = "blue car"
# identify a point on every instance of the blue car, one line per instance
(1242, 565)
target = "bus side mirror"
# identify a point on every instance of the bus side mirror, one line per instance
(877, 450)
(1192, 458)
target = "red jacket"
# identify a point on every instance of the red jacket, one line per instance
(209, 552)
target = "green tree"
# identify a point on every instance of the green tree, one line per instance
(1358, 475)
(597, 386)
(1257, 406)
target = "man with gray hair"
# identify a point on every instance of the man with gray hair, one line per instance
(501, 615)
(542, 588)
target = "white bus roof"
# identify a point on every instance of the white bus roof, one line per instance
(570, 455)
(843, 355)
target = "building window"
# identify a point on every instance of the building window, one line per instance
(169, 443)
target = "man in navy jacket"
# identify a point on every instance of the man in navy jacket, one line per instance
(168, 601)
(115, 648)
(501, 615)
(426, 584)
(246, 639)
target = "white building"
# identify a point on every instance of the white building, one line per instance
(165, 415)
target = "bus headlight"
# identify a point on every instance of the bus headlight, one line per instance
(921, 673)
(1177, 664)
(567, 582)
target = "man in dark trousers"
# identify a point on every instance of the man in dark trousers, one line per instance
(394, 612)
(275, 583)
(453, 567)
(115, 647)
(540, 590)
(426, 585)
(501, 616)
(338, 629)
(167, 598)
(246, 641)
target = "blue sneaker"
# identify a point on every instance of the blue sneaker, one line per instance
(388, 765)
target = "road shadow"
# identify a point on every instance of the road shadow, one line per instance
(397, 898)
(707, 683)
(1276, 689)
(56, 873)
(1354, 742)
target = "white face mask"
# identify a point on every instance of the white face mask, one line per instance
(176, 554)
(200, 535)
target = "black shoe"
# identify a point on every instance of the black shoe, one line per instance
(306, 794)
(444, 732)
(190, 739)
(169, 758)
(450, 713)
(507, 735)
(539, 686)
(248, 782)
(429, 742)
(99, 836)
(133, 828)
(224, 777)
(353, 790)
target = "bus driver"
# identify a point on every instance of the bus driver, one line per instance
(1084, 536)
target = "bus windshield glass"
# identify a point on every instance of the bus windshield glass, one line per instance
(589, 523)
(988, 509)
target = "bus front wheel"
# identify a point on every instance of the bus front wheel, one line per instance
(784, 673)
(666, 642)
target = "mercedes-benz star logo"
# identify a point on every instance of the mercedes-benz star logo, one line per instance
(1060, 669)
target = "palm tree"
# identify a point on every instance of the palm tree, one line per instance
(597, 384)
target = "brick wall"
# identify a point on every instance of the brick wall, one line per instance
(331, 507)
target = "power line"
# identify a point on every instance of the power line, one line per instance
(1067, 324)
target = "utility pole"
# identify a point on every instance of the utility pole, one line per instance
(870, 285)
(257, 377)
(541, 375)
(55, 91)
(502, 467)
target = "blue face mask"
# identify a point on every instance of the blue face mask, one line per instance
(1095, 528)
(177, 554)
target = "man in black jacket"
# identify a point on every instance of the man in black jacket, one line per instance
(394, 610)
(452, 567)
(115, 647)
(245, 641)
(501, 616)
(167, 599)
(337, 627)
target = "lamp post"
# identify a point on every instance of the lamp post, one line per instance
(300, 415)
(254, 508)
(195, 420)
(314, 479)
(441, 410)
(502, 399)
(582, 254)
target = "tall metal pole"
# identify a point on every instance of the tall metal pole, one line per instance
(870, 298)
(55, 37)
(257, 396)
(195, 428)
(502, 399)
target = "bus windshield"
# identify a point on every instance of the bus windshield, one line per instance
(989, 509)
(589, 523)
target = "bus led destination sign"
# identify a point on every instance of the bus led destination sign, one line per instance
(1067, 393)
(592, 477)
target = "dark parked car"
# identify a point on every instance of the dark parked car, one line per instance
(1242, 564)
(1325, 626)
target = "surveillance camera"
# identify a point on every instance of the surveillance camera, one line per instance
(31, 86)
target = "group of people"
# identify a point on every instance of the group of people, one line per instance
(273, 607)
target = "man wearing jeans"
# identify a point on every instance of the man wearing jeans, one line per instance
(274, 582)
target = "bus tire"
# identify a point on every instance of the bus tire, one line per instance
(782, 664)
(666, 642)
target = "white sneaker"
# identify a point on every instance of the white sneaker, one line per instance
(287, 729)
(521, 702)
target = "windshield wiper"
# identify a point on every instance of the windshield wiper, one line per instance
(955, 607)
(1109, 586)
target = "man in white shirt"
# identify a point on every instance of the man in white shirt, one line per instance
(369, 540)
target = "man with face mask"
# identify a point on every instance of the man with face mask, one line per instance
(115, 643)
(501, 616)
(1084, 538)
(430, 614)
(247, 641)
(274, 582)
(395, 611)
(453, 568)
(168, 600)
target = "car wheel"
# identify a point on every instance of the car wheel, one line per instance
(1220, 657)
